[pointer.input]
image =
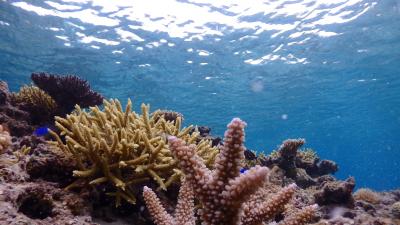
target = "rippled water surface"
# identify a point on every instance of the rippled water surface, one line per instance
(328, 71)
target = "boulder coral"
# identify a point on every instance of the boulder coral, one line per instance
(224, 192)
(123, 148)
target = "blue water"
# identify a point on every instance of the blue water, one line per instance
(328, 72)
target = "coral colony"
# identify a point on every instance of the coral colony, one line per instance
(68, 156)
(223, 192)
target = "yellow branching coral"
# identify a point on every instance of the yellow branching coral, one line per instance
(5, 139)
(124, 148)
(40, 105)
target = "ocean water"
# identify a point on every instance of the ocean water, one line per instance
(328, 71)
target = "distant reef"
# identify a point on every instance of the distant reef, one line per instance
(68, 156)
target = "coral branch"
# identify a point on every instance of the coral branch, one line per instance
(184, 212)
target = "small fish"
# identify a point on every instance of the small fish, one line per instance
(41, 131)
(243, 170)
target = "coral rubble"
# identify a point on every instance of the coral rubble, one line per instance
(123, 148)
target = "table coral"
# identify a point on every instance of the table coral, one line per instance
(5, 139)
(124, 148)
(224, 191)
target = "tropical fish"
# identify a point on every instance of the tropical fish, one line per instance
(41, 131)
(243, 170)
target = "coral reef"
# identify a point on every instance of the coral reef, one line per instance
(67, 91)
(34, 174)
(123, 148)
(41, 107)
(5, 139)
(300, 166)
(224, 191)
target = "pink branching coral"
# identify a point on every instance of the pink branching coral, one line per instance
(184, 212)
(224, 192)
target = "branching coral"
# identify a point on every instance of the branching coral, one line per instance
(5, 139)
(38, 103)
(67, 91)
(223, 192)
(184, 212)
(124, 148)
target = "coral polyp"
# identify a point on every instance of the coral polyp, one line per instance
(123, 148)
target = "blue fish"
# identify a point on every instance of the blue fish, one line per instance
(41, 131)
(243, 170)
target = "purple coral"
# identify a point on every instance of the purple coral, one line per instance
(67, 91)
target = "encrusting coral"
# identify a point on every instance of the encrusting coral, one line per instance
(38, 103)
(124, 148)
(224, 191)
(5, 139)
(67, 91)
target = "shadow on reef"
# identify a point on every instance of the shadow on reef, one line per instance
(98, 159)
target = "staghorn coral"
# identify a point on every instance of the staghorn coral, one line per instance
(38, 103)
(184, 213)
(67, 91)
(123, 148)
(5, 139)
(223, 191)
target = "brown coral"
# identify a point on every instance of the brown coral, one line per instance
(123, 148)
(41, 107)
(67, 91)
